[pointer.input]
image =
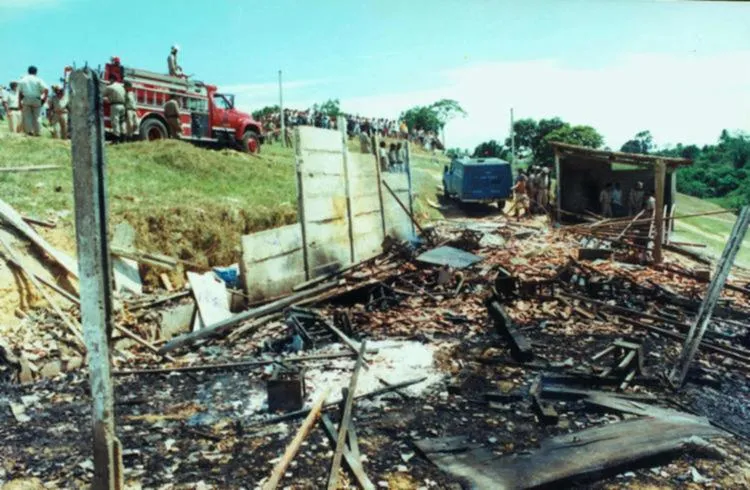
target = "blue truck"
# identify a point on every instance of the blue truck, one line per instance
(478, 180)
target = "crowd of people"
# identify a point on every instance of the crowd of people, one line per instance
(531, 191)
(356, 125)
(612, 205)
(27, 100)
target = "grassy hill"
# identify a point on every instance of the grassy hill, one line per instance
(711, 230)
(184, 201)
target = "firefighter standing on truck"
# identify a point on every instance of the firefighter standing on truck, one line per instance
(57, 112)
(172, 113)
(174, 68)
(131, 117)
(114, 93)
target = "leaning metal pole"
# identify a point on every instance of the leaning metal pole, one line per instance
(90, 191)
(694, 337)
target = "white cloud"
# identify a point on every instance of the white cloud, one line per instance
(678, 98)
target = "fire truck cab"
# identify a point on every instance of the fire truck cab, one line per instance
(207, 116)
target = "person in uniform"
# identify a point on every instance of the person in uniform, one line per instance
(401, 156)
(13, 108)
(33, 94)
(131, 116)
(172, 113)
(173, 67)
(521, 197)
(365, 145)
(57, 112)
(383, 156)
(114, 93)
(605, 201)
(636, 199)
(542, 191)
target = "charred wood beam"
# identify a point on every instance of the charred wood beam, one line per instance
(520, 347)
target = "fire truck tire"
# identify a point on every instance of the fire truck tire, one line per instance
(153, 129)
(251, 142)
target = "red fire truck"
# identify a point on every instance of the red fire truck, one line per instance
(207, 117)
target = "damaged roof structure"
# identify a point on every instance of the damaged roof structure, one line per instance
(486, 353)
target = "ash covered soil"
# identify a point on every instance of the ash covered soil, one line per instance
(209, 429)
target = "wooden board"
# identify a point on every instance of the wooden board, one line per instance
(210, 295)
(397, 223)
(272, 262)
(127, 275)
(324, 212)
(590, 452)
(366, 212)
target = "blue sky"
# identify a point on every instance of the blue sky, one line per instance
(680, 69)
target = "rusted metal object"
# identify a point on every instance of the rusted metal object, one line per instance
(286, 389)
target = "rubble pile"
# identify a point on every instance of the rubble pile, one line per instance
(496, 356)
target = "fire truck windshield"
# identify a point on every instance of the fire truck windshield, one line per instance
(223, 101)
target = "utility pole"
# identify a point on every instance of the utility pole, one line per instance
(95, 270)
(281, 113)
(512, 140)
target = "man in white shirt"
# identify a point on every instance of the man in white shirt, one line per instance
(33, 92)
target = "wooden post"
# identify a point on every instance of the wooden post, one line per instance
(95, 272)
(374, 141)
(299, 438)
(698, 329)
(333, 477)
(300, 200)
(558, 185)
(660, 171)
(409, 181)
(341, 123)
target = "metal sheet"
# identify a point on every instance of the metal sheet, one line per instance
(452, 257)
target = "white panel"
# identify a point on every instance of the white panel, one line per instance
(272, 262)
(319, 139)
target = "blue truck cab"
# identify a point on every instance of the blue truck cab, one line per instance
(478, 180)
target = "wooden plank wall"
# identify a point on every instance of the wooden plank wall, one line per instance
(397, 223)
(326, 238)
(272, 262)
(322, 181)
(367, 219)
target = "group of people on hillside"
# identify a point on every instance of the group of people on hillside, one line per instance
(612, 205)
(27, 99)
(356, 126)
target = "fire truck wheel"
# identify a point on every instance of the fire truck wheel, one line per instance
(153, 129)
(251, 142)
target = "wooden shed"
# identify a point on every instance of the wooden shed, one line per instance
(583, 172)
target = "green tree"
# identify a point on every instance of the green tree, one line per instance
(530, 136)
(491, 149)
(261, 113)
(331, 107)
(432, 117)
(455, 153)
(643, 142)
(574, 135)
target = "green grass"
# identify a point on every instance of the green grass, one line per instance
(184, 201)
(711, 230)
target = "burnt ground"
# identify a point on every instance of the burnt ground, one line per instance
(181, 429)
